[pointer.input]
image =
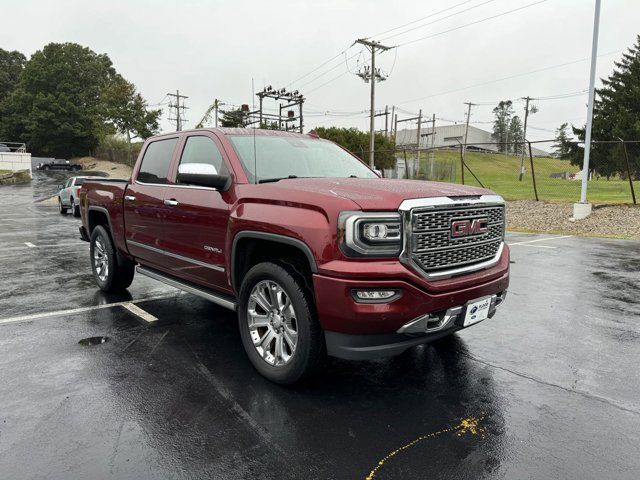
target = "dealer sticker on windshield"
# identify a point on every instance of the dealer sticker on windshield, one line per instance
(477, 311)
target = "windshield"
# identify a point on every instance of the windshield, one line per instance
(283, 157)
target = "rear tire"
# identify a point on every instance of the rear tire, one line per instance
(289, 315)
(112, 272)
(61, 209)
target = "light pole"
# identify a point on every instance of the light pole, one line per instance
(583, 209)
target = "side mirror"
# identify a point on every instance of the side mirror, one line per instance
(60, 187)
(201, 174)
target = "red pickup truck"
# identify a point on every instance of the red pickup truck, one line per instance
(314, 251)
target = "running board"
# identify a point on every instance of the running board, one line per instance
(218, 299)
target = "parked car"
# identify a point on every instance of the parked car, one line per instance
(69, 195)
(59, 165)
(314, 251)
(4, 148)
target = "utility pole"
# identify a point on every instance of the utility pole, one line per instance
(432, 154)
(393, 115)
(583, 209)
(179, 119)
(419, 128)
(527, 99)
(466, 129)
(386, 120)
(215, 112)
(373, 75)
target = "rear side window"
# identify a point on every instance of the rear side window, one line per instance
(156, 161)
(201, 149)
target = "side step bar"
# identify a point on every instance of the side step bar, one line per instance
(219, 299)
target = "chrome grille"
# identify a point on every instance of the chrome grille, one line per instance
(434, 249)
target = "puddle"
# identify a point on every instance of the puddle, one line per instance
(88, 342)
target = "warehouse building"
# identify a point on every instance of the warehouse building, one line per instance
(447, 136)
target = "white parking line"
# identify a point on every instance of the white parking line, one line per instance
(540, 240)
(29, 244)
(146, 316)
(73, 311)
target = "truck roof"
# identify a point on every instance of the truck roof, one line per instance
(241, 131)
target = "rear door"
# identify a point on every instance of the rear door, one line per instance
(196, 219)
(144, 209)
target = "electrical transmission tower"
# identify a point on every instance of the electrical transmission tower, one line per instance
(373, 75)
(178, 108)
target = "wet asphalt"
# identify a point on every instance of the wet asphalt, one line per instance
(548, 388)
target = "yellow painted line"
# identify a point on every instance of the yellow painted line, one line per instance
(469, 425)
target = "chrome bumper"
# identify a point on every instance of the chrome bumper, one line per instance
(437, 321)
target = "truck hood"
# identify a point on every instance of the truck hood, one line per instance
(378, 193)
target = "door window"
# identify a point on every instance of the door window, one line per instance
(201, 149)
(156, 161)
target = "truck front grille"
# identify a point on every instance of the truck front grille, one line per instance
(435, 249)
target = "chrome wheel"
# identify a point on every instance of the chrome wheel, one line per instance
(273, 325)
(100, 259)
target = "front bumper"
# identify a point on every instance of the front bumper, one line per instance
(424, 329)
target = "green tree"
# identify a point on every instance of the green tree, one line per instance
(616, 114)
(562, 147)
(502, 113)
(357, 142)
(232, 118)
(516, 136)
(127, 111)
(11, 66)
(67, 99)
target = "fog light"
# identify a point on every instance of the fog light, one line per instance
(375, 296)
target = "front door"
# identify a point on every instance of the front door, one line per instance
(144, 208)
(196, 219)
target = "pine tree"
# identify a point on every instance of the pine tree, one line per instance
(616, 115)
(516, 135)
(503, 113)
(561, 147)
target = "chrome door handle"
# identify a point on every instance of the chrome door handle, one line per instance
(129, 198)
(171, 203)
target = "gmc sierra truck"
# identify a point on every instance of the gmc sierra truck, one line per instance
(315, 252)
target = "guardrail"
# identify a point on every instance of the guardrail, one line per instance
(15, 147)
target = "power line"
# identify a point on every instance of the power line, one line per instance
(510, 77)
(438, 19)
(472, 23)
(318, 67)
(420, 19)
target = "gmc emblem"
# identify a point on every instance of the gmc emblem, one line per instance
(464, 228)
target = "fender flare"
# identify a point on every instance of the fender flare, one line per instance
(272, 237)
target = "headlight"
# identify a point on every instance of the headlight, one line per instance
(370, 234)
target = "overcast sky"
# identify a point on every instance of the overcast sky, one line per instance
(213, 49)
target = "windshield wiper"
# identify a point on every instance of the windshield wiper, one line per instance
(276, 179)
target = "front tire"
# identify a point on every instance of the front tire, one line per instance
(278, 324)
(113, 273)
(61, 209)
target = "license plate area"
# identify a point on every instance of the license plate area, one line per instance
(476, 310)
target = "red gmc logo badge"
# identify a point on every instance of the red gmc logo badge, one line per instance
(464, 228)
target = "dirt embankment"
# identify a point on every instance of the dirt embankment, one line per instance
(91, 166)
(620, 221)
(112, 169)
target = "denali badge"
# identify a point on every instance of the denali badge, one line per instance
(463, 228)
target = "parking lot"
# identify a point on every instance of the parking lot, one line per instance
(548, 388)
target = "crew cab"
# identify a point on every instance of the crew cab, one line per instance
(315, 252)
(69, 196)
(58, 165)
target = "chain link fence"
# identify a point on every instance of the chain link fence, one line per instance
(525, 171)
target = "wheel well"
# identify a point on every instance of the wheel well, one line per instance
(96, 218)
(248, 252)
